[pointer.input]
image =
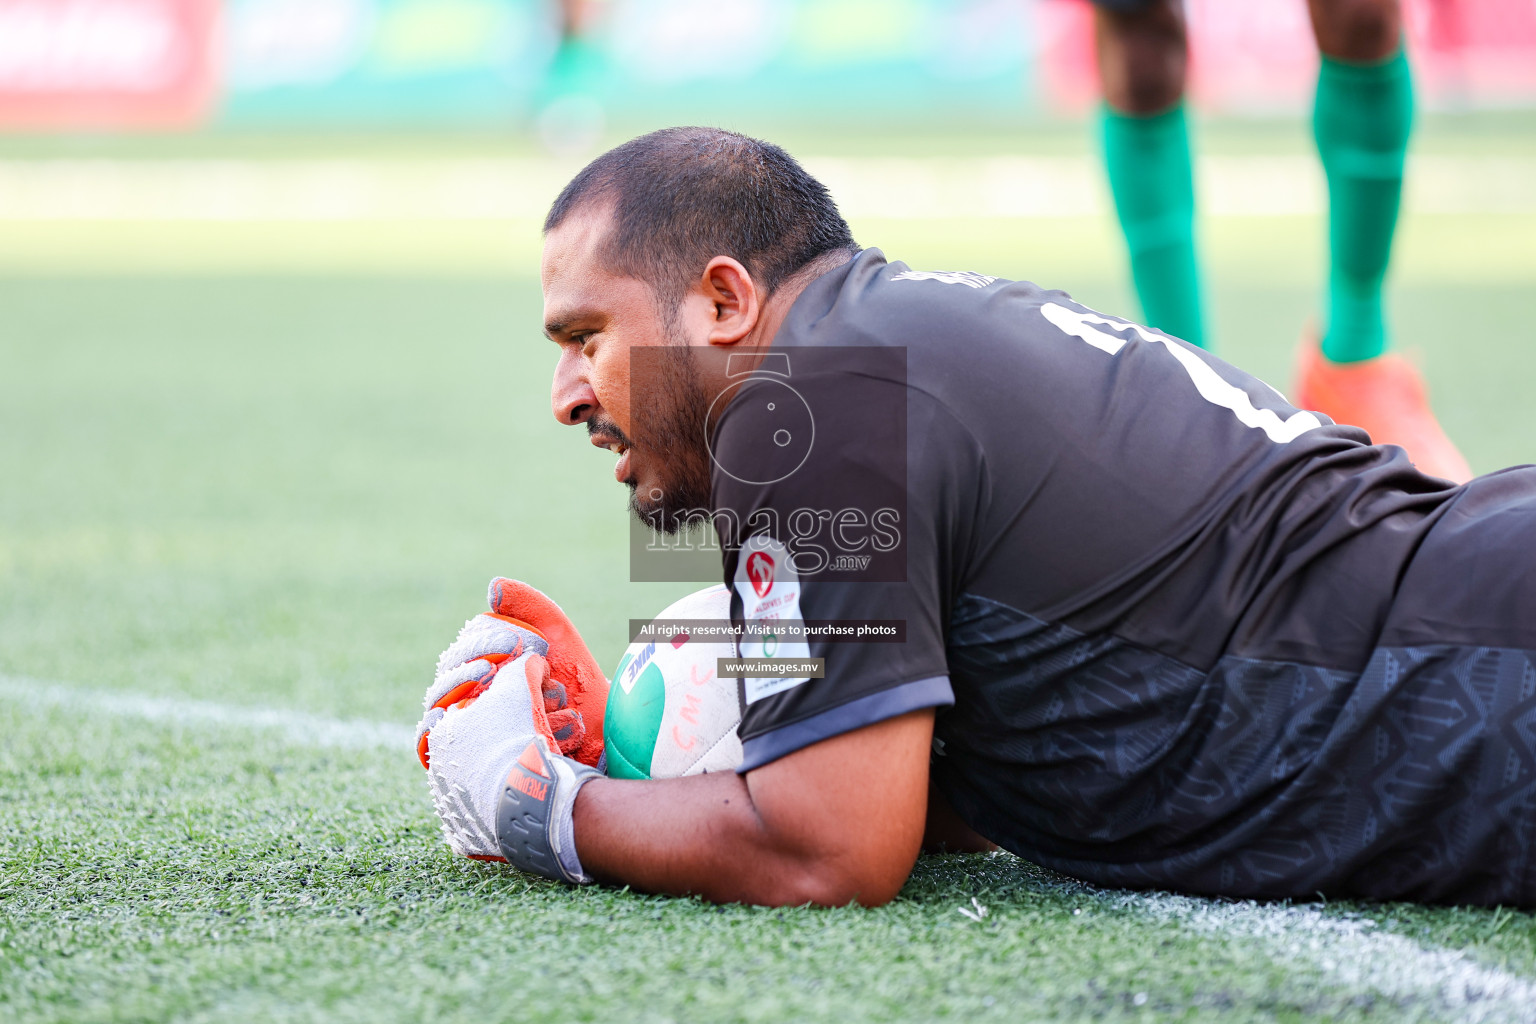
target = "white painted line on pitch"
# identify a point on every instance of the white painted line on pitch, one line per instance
(298, 727)
(1352, 952)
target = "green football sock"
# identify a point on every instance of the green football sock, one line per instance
(1361, 122)
(576, 69)
(1153, 185)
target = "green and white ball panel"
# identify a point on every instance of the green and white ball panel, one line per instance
(668, 713)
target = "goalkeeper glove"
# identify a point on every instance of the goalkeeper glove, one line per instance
(550, 704)
(501, 789)
(522, 620)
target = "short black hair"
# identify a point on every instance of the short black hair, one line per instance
(682, 196)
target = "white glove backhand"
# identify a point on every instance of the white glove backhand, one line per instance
(482, 636)
(470, 749)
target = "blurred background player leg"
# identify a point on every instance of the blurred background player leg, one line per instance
(1361, 121)
(570, 114)
(1142, 52)
(575, 56)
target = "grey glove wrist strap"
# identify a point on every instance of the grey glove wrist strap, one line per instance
(534, 828)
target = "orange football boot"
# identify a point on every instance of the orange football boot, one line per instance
(1386, 398)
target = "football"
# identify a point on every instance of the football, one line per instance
(668, 713)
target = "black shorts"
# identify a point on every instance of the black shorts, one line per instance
(1412, 779)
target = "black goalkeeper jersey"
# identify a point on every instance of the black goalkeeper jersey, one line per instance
(1180, 634)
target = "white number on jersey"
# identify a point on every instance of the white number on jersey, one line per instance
(1206, 380)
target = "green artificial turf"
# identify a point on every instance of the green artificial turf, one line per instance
(239, 517)
(160, 870)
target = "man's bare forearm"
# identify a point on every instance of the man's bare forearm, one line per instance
(699, 835)
(839, 821)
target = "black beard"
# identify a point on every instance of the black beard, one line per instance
(673, 429)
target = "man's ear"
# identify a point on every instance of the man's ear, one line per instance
(730, 289)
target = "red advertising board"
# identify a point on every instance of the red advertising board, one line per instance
(81, 64)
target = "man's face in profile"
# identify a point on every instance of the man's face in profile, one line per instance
(628, 371)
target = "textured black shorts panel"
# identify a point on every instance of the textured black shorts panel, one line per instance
(1414, 779)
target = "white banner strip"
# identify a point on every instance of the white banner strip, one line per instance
(507, 188)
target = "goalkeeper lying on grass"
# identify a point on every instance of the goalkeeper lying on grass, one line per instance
(1158, 627)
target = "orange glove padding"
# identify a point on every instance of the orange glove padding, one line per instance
(571, 665)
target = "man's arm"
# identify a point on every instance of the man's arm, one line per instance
(838, 821)
(947, 832)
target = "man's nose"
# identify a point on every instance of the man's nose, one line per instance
(571, 397)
